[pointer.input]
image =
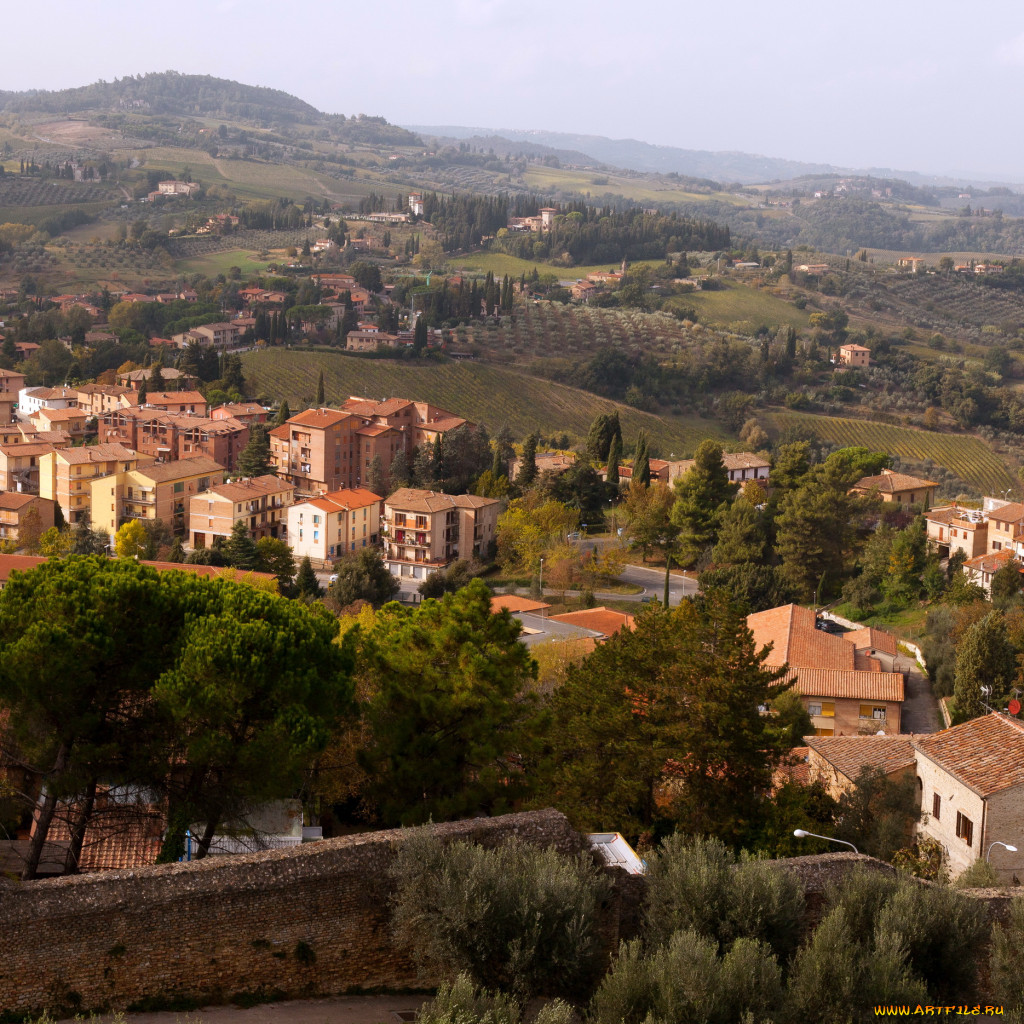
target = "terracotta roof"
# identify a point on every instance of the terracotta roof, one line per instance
(1012, 513)
(118, 836)
(731, 461)
(855, 348)
(157, 398)
(411, 499)
(281, 432)
(953, 514)
(211, 571)
(986, 754)
(359, 406)
(443, 424)
(27, 448)
(375, 430)
(242, 408)
(11, 501)
(347, 498)
(794, 768)
(250, 487)
(991, 562)
(163, 471)
(850, 684)
(320, 418)
(20, 563)
(513, 603)
(97, 453)
(870, 639)
(791, 631)
(600, 620)
(889, 482)
(849, 755)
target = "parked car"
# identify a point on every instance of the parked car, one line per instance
(828, 626)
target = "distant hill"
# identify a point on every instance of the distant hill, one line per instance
(743, 168)
(168, 92)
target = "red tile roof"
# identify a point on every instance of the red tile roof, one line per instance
(985, 754)
(850, 755)
(795, 641)
(869, 638)
(600, 620)
(514, 603)
(851, 684)
(319, 418)
(890, 482)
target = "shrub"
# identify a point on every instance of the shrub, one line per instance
(1007, 955)
(462, 1003)
(515, 919)
(980, 875)
(697, 884)
(686, 980)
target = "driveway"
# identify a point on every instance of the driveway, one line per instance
(920, 709)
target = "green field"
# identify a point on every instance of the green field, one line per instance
(215, 263)
(499, 264)
(548, 179)
(484, 394)
(966, 456)
(739, 303)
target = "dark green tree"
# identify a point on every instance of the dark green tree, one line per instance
(276, 558)
(254, 458)
(320, 390)
(307, 586)
(240, 551)
(528, 466)
(641, 460)
(701, 492)
(614, 458)
(283, 414)
(419, 337)
(985, 657)
(447, 710)
(362, 577)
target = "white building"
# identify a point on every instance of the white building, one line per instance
(31, 400)
(334, 524)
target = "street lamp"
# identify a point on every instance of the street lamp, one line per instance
(804, 834)
(542, 579)
(1006, 846)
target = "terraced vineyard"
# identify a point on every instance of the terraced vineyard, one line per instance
(966, 456)
(482, 393)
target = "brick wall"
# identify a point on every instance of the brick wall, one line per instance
(309, 920)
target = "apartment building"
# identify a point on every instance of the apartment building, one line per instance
(334, 524)
(66, 475)
(171, 436)
(260, 502)
(844, 688)
(171, 375)
(71, 421)
(96, 399)
(157, 490)
(185, 403)
(954, 528)
(31, 400)
(316, 450)
(219, 335)
(245, 412)
(425, 531)
(19, 466)
(11, 383)
(14, 510)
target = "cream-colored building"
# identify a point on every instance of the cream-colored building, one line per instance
(71, 421)
(66, 475)
(19, 465)
(15, 510)
(260, 502)
(971, 783)
(96, 399)
(425, 531)
(157, 490)
(954, 528)
(854, 355)
(334, 525)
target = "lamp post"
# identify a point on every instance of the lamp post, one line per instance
(542, 579)
(804, 834)
(1005, 846)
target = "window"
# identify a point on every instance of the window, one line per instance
(936, 806)
(964, 828)
(872, 711)
(996, 546)
(814, 710)
(179, 487)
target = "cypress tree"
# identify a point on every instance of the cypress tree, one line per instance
(283, 414)
(528, 468)
(641, 461)
(320, 389)
(306, 584)
(614, 458)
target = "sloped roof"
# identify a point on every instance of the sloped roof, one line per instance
(513, 603)
(347, 498)
(867, 638)
(985, 754)
(600, 619)
(11, 501)
(108, 452)
(250, 487)
(849, 684)
(1011, 513)
(889, 482)
(412, 499)
(993, 561)
(161, 472)
(849, 755)
(158, 398)
(319, 418)
(795, 640)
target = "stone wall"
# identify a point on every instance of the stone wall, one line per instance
(293, 922)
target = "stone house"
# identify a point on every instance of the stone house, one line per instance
(898, 488)
(971, 783)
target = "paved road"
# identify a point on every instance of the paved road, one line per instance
(653, 582)
(920, 709)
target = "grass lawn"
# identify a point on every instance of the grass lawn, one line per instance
(499, 264)
(738, 302)
(906, 623)
(215, 263)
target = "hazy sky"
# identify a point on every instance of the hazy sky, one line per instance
(934, 87)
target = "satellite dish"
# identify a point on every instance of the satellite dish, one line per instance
(1015, 707)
